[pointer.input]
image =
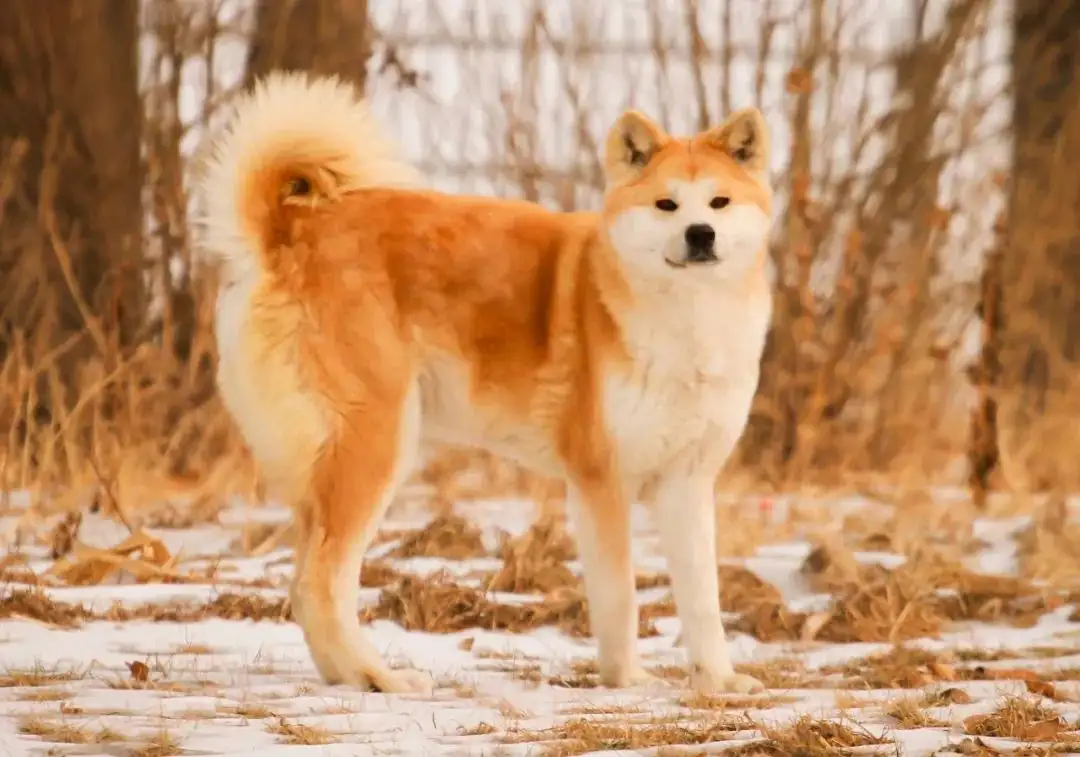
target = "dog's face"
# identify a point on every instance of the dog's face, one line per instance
(698, 207)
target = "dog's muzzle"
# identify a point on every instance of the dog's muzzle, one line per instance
(700, 246)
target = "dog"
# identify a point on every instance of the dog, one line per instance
(363, 316)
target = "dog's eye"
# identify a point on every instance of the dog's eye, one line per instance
(667, 205)
(297, 187)
(719, 202)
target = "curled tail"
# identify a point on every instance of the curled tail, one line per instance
(294, 142)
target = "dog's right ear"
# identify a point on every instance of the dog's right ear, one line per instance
(631, 144)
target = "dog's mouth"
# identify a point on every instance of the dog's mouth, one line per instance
(693, 259)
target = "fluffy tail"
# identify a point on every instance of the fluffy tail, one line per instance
(294, 142)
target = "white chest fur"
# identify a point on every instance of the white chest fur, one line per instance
(696, 366)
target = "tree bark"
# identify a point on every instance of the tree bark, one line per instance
(70, 216)
(1041, 267)
(321, 36)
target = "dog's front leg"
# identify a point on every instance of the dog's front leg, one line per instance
(685, 511)
(600, 516)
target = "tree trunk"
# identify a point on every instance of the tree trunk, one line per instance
(71, 217)
(1040, 406)
(321, 36)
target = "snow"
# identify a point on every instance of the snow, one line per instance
(218, 681)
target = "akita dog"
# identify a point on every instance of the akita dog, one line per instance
(362, 316)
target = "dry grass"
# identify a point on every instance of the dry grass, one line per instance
(161, 744)
(919, 599)
(39, 676)
(44, 695)
(299, 734)
(535, 561)
(61, 732)
(1024, 720)
(133, 425)
(437, 604)
(448, 536)
(909, 712)
(805, 737)
(865, 347)
(580, 736)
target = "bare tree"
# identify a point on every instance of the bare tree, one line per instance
(322, 36)
(70, 209)
(1041, 257)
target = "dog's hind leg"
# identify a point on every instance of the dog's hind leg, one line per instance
(353, 483)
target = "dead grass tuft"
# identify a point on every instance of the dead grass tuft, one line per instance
(437, 604)
(908, 712)
(377, 574)
(60, 732)
(38, 676)
(582, 736)
(480, 729)
(1022, 719)
(161, 744)
(535, 562)
(902, 667)
(298, 734)
(44, 695)
(448, 536)
(247, 711)
(33, 604)
(695, 701)
(874, 603)
(807, 737)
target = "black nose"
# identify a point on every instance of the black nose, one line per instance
(700, 236)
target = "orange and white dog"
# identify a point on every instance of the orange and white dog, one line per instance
(362, 316)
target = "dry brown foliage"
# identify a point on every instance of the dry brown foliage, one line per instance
(580, 736)
(535, 561)
(299, 734)
(1023, 720)
(812, 738)
(438, 604)
(869, 324)
(909, 713)
(805, 737)
(66, 733)
(448, 536)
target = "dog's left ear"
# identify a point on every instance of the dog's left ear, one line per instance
(745, 137)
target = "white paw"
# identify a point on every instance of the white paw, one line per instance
(631, 675)
(705, 682)
(407, 682)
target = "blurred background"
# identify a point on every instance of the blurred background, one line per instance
(926, 253)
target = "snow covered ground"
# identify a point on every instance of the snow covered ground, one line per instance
(105, 668)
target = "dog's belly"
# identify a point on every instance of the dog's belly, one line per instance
(450, 416)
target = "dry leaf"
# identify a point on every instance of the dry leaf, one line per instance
(141, 555)
(956, 696)
(1042, 688)
(799, 81)
(64, 535)
(140, 671)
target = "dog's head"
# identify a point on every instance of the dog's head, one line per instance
(688, 207)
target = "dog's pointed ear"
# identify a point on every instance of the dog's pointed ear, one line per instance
(745, 137)
(631, 144)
